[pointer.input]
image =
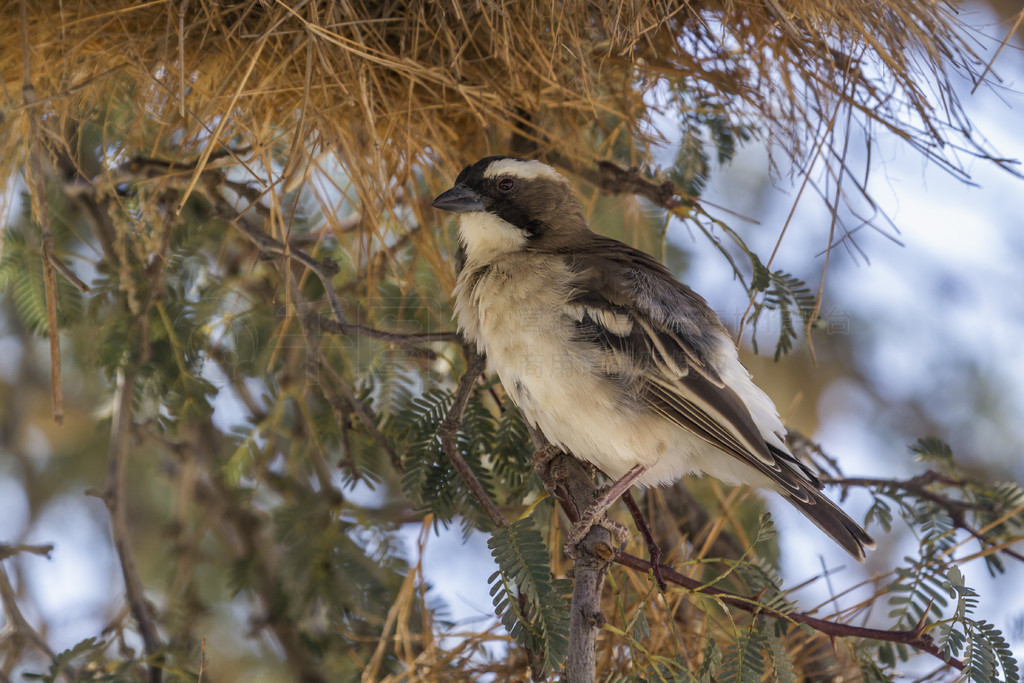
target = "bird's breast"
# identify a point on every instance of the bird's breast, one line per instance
(517, 312)
(517, 315)
(513, 311)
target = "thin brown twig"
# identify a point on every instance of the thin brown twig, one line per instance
(116, 499)
(338, 393)
(449, 430)
(916, 638)
(411, 341)
(653, 548)
(43, 549)
(68, 274)
(18, 627)
(918, 486)
(792, 211)
(1006, 41)
(831, 236)
(267, 245)
(42, 211)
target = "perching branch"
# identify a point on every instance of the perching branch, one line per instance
(572, 484)
(913, 638)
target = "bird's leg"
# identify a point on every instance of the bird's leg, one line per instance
(543, 456)
(541, 461)
(601, 505)
(653, 549)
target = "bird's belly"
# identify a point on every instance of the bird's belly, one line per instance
(568, 389)
(558, 386)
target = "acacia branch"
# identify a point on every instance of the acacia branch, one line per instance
(918, 486)
(916, 638)
(411, 341)
(564, 464)
(449, 431)
(17, 625)
(572, 484)
(116, 499)
(338, 393)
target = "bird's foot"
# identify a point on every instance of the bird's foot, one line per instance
(542, 457)
(541, 461)
(581, 528)
(600, 505)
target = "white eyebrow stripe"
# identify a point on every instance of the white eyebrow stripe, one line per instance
(524, 169)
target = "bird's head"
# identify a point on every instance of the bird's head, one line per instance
(507, 204)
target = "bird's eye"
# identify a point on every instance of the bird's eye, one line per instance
(506, 184)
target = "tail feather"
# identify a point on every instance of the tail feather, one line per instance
(833, 521)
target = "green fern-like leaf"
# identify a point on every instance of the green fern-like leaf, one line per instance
(930, 449)
(880, 512)
(987, 653)
(761, 579)
(21, 273)
(872, 671)
(427, 478)
(691, 168)
(524, 571)
(938, 527)
(920, 593)
(966, 597)
(90, 647)
(744, 662)
(787, 295)
(782, 665)
(476, 438)
(511, 451)
(711, 662)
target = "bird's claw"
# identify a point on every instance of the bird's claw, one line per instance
(591, 518)
(542, 457)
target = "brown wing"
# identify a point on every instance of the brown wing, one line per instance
(665, 343)
(627, 303)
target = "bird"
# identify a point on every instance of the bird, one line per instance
(606, 353)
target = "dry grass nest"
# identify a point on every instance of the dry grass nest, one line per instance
(390, 88)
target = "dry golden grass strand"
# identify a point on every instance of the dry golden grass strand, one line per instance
(442, 82)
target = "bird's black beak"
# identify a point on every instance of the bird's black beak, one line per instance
(459, 199)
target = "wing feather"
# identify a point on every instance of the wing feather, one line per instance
(665, 347)
(671, 343)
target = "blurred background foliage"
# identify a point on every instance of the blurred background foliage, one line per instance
(224, 208)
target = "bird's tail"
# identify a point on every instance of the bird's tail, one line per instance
(833, 521)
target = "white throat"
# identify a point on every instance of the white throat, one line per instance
(485, 236)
